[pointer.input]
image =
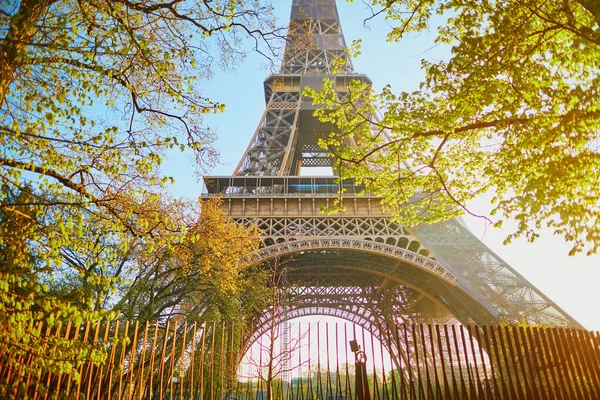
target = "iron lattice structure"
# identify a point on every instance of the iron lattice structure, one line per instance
(358, 264)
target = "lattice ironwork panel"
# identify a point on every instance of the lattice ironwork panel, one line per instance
(435, 287)
(299, 246)
(315, 39)
(366, 303)
(314, 62)
(379, 230)
(442, 264)
(271, 142)
(488, 276)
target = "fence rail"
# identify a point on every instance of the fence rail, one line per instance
(192, 360)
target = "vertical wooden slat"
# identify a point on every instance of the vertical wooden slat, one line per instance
(348, 385)
(202, 358)
(122, 359)
(532, 372)
(454, 384)
(471, 376)
(21, 363)
(494, 341)
(81, 378)
(132, 359)
(91, 364)
(142, 362)
(508, 364)
(464, 393)
(480, 345)
(384, 373)
(594, 348)
(438, 387)
(192, 359)
(563, 373)
(568, 362)
(39, 374)
(26, 365)
(595, 336)
(299, 386)
(411, 380)
(100, 375)
(221, 356)
(526, 384)
(3, 355)
(375, 377)
(403, 386)
(67, 335)
(480, 387)
(515, 363)
(230, 365)
(582, 344)
(447, 389)
(489, 351)
(239, 356)
(171, 373)
(579, 362)
(538, 361)
(75, 337)
(551, 360)
(421, 389)
(49, 375)
(9, 371)
(425, 357)
(594, 360)
(162, 360)
(319, 373)
(152, 357)
(328, 388)
(212, 360)
(338, 378)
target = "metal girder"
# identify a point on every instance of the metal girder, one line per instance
(315, 39)
(359, 265)
(485, 275)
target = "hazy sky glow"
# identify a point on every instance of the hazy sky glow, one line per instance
(571, 282)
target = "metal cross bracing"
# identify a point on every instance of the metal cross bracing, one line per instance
(344, 263)
(287, 135)
(352, 294)
(315, 39)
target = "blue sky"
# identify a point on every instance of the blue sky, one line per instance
(572, 282)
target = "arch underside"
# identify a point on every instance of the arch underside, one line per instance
(375, 271)
(358, 264)
(374, 291)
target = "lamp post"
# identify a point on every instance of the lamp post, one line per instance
(361, 385)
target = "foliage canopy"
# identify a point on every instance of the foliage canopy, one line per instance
(515, 111)
(92, 94)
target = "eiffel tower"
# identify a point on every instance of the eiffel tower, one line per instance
(358, 264)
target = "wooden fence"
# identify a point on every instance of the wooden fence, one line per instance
(308, 361)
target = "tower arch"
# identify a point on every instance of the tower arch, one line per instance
(340, 260)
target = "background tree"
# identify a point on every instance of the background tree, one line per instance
(513, 111)
(201, 278)
(270, 357)
(91, 96)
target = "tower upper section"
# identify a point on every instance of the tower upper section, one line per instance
(315, 39)
(287, 137)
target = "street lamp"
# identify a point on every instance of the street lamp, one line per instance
(361, 385)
